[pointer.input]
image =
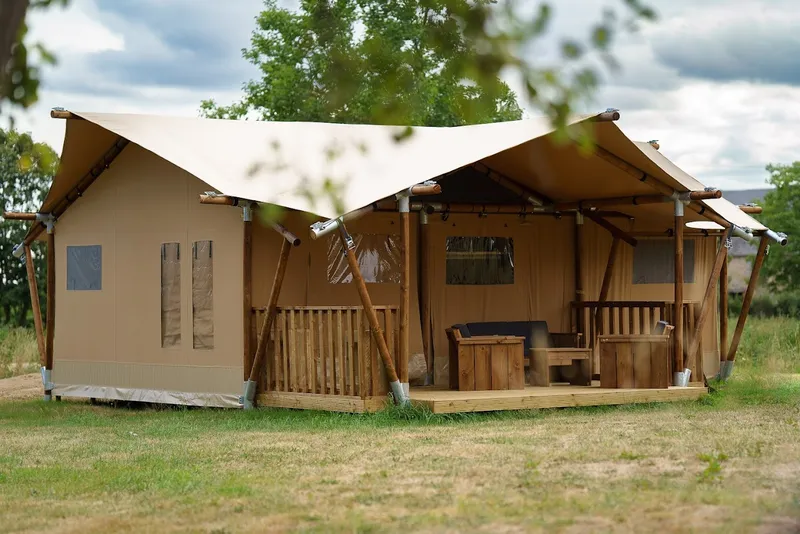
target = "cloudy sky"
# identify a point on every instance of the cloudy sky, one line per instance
(716, 82)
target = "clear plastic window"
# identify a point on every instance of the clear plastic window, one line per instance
(84, 268)
(378, 258)
(203, 295)
(170, 295)
(654, 261)
(480, 260)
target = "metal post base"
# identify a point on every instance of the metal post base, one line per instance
(399, 393)
(725, 370)
(249, 395)
(47, 383)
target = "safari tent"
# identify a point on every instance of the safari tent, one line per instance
(324, 266)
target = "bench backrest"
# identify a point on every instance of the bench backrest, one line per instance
(536, 333)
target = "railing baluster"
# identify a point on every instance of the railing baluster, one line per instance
(351, 385)
(323, 377)
(329, 355)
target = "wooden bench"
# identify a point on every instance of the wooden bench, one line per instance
(486, 362)
(564, 361)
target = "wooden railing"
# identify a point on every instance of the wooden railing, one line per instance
(632, 317)
(327, 350)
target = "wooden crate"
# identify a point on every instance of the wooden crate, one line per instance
(634, 361)
(487, 363)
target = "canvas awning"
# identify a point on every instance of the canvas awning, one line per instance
(292, 164)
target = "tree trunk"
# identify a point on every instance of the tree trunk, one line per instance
(22, 314)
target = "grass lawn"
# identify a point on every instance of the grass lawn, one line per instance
(728, 463)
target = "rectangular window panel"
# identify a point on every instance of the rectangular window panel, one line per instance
(170, 295)
(654, 261)
(203, 295)
(478, 261)
(84, 268)
(378, 258)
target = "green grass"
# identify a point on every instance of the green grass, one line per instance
(770, 345)
(18, 351)
(727, 463)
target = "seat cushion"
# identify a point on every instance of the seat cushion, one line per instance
(535, 333)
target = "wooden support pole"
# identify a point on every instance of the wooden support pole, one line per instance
(751, 209)
(613, 230)
(425, 290)
(64, 114)
(405, 300)
(528, 195)
(748, 297)
(272, 309)
(723, 311)
(678, 288)
(610, 202)
(35, 306)
(604, 289)
(705, 306)
(578, 246)
(247, 293)
(18, 216)
(425, 189)
(372, 317)
(51, 303)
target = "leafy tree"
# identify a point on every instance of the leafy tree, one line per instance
(26, 169)
(365, 61)
(782, 212)
(19, 71)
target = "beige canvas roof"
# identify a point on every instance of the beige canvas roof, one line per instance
(291, 163)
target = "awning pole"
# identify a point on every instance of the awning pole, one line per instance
(680, 376)
(35, 306)
(51, 310)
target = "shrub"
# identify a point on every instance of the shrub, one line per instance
(784, 304)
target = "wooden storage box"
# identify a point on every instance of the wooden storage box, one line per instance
(487, 363)
(634, 361)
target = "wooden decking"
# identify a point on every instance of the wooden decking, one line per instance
(446, 401)
(557, 396)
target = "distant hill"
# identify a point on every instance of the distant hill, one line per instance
(745, 196)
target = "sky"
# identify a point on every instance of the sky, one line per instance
(716, 82)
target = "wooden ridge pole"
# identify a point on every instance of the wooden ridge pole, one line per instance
(35, 306)
(748, 297)
(51, 309)
(266, 326)
(723, 311)
(705, 307)
(613, 230)
(372, 317)
(678, 289)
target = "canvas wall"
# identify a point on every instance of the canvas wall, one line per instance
(112, 337)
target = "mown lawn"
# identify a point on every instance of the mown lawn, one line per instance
(728, 463)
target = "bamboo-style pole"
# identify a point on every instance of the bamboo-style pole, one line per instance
(578, 246)
(51, 309)
(266, 326)
(18, 216)
(705, 307)
(425, 189)
(639, 200)
(528, 195)
(678, 288)
(375, 327)
(425, 289)
(748, 297)
(35, 306)
(64, 114)
(247, 290)
(613, 230)
(405, 300)
(723, 311)
(751, 209)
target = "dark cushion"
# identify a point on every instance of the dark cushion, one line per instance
(535, 333)
(462, 329)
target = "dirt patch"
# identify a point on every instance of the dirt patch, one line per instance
(21, 387)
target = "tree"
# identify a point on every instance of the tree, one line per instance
(19, 72)
(365, 61)
(782, 212)
(26, 169)
(412, 62)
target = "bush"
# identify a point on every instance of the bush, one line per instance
(786, 304)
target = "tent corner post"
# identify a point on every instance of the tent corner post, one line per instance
(35, 305)
(678, 356)
(51, 310)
